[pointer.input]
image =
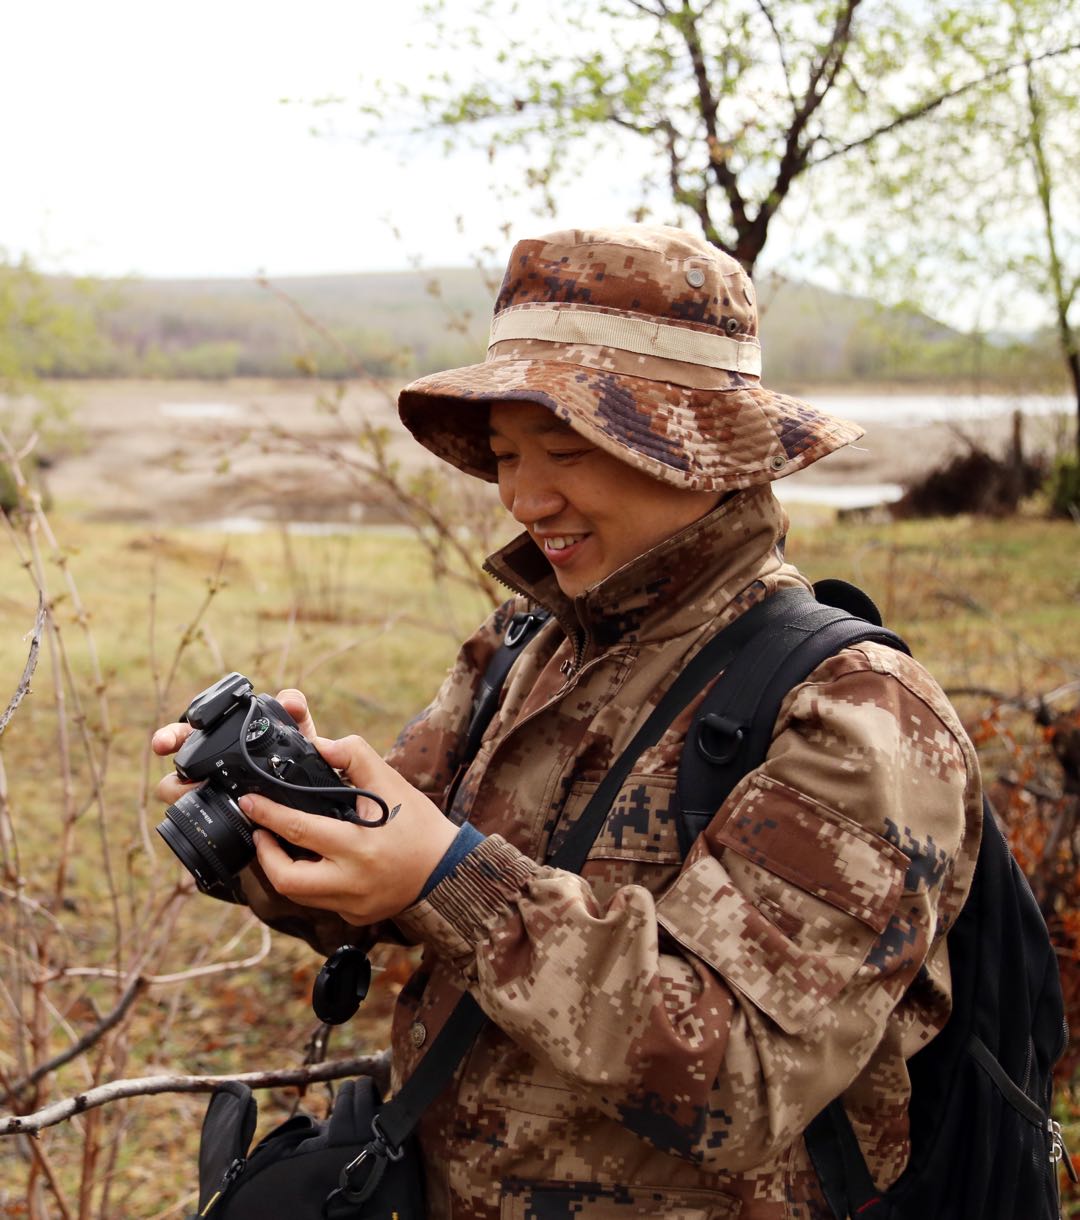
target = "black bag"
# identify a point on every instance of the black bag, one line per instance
(304, 1169)
(984, 1143)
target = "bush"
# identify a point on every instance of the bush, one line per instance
(1063, 486)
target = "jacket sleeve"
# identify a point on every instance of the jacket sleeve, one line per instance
(426, 754)
(718, 1018)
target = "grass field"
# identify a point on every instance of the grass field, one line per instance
(357, 622)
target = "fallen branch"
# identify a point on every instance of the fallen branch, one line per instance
(144, 1086)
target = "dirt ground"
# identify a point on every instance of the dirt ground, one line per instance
(198, 452)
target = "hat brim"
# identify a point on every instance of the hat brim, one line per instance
(704, 440)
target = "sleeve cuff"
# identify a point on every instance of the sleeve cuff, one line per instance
(458, 912)
(467, 838)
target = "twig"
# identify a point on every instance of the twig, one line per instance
(31, 664)
(145, 1086)
(1027, 703)
(127, 998)
(180, 976)
(45, 1165)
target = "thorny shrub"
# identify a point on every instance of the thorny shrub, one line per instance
(1036, 795)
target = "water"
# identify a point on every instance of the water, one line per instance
(200, 410)
(901, 409)
(836, 495)
(897, 410)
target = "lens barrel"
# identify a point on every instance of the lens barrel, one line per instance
(209, 835)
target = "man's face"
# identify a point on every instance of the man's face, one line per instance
(587, 511)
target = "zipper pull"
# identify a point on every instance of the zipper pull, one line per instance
(1058, 1151)
(229, 1177)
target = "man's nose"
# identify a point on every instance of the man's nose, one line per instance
(534, 496)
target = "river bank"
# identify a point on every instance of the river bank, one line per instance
(173, 452)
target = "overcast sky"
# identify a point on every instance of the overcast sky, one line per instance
(150, 139)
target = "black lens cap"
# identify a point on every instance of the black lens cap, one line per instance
(341, 985)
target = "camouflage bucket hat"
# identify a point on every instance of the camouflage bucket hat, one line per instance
(644, 340)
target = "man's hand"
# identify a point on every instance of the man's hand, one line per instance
(364, 873)
(170, 737)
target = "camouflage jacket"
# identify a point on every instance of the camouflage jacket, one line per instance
(663, 1030)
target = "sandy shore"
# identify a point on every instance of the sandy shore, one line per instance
(174, 452)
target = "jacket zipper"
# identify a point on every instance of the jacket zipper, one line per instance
(230, 1176)
(578, 637)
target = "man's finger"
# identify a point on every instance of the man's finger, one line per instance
(314, 883)
(171, 788)
(313, 831)
(355, 758)
(296, 704)
(169, 738)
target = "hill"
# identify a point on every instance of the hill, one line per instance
(412, 322)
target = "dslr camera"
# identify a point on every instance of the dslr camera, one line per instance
(244, 743)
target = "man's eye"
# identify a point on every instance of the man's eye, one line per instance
(502, 458)
(568, 455)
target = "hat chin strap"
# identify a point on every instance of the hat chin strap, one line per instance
(589, 326)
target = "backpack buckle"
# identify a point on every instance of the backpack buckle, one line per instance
(1058, 1151)
(722, 741)
(519, 627)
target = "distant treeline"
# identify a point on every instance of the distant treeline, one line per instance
(398, 324)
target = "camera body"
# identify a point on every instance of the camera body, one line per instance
(242, 743)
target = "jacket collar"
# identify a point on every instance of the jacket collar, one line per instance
(704, 573)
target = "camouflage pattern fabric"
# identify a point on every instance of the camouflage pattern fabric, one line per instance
(644, 340)
(662, 1031)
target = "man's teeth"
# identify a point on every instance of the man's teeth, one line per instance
(560, 544)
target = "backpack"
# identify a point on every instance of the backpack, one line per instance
(983, 1139)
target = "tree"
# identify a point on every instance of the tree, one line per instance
(38, 333)
(987, 216)
(735, 103)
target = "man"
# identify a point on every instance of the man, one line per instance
(661, 1030)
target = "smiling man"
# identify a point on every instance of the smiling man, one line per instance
(662, 1029)
(586, 510)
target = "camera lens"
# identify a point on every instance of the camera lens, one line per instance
(209, 835)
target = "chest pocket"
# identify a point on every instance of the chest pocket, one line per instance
(639, 841)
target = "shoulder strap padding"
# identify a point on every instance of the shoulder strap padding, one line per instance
(734, 724)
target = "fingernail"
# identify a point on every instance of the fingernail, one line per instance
(246, 804)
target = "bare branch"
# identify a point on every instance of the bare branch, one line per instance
(128, 997)
(145, 1086)
(358, 369)
(929, 105)
(708, 104)
(31, 664)
(182, 976)
(767, 14)
(796, 153)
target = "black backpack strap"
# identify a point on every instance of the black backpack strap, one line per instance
(715, 656)
(522, 627)
(398, 1117)
(730, 736)
(839, 1163)
(769, 620)
(734, 725)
